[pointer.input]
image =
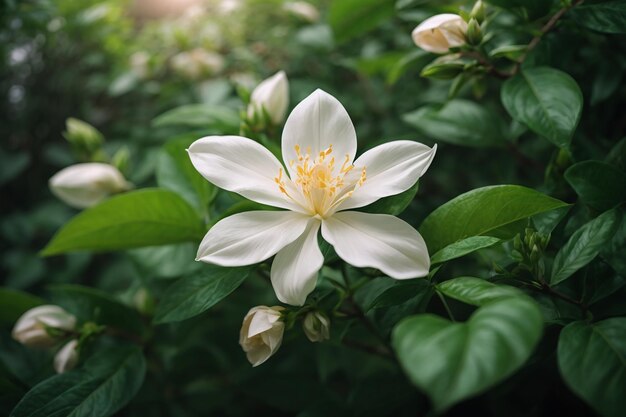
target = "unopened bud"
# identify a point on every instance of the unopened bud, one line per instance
(85, 185)
(41, 326)
(82, 135)
(478, 11)
(316, 326)
(261, 333)
(474, 34)
(271, 96)
(535, 254)
(121, 159)
(66, 358)
(440, 33)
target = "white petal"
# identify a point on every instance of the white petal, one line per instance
(317, 122)
(378, 241)
(391, 168)
(263, 321)
(295, 267)
(240, 165)
(250, 237)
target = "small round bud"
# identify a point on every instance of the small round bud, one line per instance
(316, 326)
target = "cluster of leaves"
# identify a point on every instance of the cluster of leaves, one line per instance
(523, 312)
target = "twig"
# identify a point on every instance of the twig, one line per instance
(545, 29)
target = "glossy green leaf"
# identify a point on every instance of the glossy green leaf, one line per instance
(613, 252)
(545, 99)
(394, 204)
(386, 292)
(484, 211)
(15, 303)
(107, 382)
(584, 245)
(146, 217)
(460, 122)
(222, 118)
(476, 291)
(463, 247)
(175, 172)
(592, 360)
(180, 260)
(196, 293)
(600, 186)
(454, 361)
(351, 18)
(605, 17)
(91, 304)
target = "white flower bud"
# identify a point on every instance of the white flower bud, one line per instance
(67, 357)
(316, 326)
(440, 33)
(303, 10)
(272, 95)
(31, 328)
(261, 333)
(85, 185)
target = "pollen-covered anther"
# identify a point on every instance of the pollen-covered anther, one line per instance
(322, 185)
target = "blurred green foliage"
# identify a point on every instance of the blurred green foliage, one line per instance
(549, 118)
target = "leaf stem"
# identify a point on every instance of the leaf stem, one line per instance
(445, 304)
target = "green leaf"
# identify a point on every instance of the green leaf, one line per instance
(462, 248)
(351, 18)
(584, 245)
(222, 118)
(91, 304)
(15, 303)
(386, 292)
(175, 172)
(107, 382)
(180, 260)
(547, 100)
(592, 360)
(146, 217)
(454, 361)
(394, 204)
(476, 291)
(482, 212)
(460, 122)
(613, 252)
(196, 293)
(534, 8)
(600, 186)
(607, 17)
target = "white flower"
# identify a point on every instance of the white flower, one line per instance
(316, 326)
(302, 10)
(67, 357)
(197, 63)
(85, 185)
(30, 328)
(261, 333)
(440, 33)
(272, 95)
(139, 64)
(320, 185)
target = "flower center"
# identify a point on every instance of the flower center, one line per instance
(320, 182)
